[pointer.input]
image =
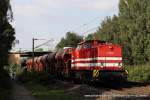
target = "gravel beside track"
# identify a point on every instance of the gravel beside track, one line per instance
(105, 91)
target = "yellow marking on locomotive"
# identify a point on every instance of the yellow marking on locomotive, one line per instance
(95, 73)
(126, 72)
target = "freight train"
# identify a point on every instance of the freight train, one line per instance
(91, 60)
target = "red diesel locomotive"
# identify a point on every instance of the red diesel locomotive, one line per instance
(91, 60)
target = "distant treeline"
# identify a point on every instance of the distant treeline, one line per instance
(131, 29)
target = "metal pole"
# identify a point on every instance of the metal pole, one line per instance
(33, 54)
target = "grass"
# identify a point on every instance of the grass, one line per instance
(139, 73)
(51, 92)
(44, 86)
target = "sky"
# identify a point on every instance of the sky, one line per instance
(51, 19)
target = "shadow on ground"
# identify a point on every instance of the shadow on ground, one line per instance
(117, 85)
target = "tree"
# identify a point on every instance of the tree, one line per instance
(6, 31)
(70, 40)
(131, 29)
(89, 37)
(6, 38)
(134, 22)
(109, 30)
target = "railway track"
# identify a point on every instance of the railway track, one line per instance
(105, 91)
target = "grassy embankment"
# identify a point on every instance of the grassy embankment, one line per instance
(44, 87)
(51, 92)
(139, 73)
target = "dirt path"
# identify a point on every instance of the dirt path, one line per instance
(21, 93)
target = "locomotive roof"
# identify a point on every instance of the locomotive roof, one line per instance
(91, 41)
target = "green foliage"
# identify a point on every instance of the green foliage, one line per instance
(51, 92)
(131, 29)
(70, 40)
(109, 30)
(44, 78)
(133, 21)
(89, 37)
(140, 73)
(6, 38)
(6, 31)
(36, 77)
(5, 10)
(43, 86)
(25, 77)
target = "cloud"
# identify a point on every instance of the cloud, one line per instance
(55, 5)
(56, 16)
(101, 5)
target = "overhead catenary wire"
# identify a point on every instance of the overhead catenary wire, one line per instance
(26, 50)
(77, 28)
(91, 30)
(43, 43)
(87, 23)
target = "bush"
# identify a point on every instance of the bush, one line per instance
(25, 77)
(43, 78)
(139, 73)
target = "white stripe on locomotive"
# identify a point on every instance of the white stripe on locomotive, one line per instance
(97, 58)
(97, 64)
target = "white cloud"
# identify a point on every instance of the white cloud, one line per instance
(101, 5)
(56, 16)
(50, 5)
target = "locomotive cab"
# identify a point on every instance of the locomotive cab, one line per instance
(84, 54)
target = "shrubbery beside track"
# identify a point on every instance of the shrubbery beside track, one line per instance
(139, 73)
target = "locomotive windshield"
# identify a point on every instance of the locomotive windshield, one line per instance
(84, 46)
(87, 46)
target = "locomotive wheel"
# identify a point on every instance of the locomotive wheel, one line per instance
(82, 77)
